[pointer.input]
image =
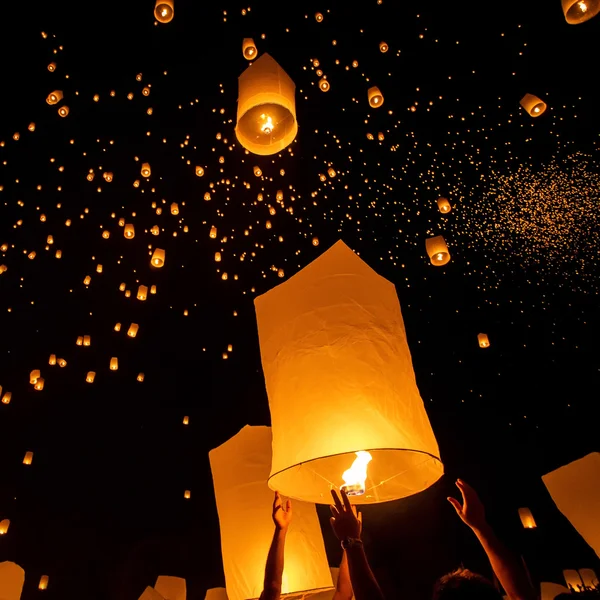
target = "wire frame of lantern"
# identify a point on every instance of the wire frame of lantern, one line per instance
(573, 580)
(483, 340)
(375, 97)
(589, 578)
(444, 205)
(54, 97)
(527, 519)
(249, 49)
(580, 11)
(437, 250)
(533, 105)
(164, 11)
(158, 258)
(345, 407)
(266, 113)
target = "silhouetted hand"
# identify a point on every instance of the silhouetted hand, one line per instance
(346, 521)
(472, 511)
(282, 515)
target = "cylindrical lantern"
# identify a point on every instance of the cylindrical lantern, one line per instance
(63, 111)
(340, 381)
(257, 171)
(158, 258)
(437, 250)
(324, 85)
(142, 293)
(43, 582)
(4, 525)
(6, 398)
(186, 420)
(164, 11)
(87, 340)
(153, 289)
(114, 363)
(52, 360)
(168, 587)
(199, 171)
(39, 384)
(54, 97)
(319, 17)
(331, 172)
(90, 377)
(483, 340)
(375, 97)
(129, 231)
(527, 519)
(213, 232)
(240, 468)
(146, 170)
(28, 458)
(174, 208)
(249, 49)
(87, 280)
(133, 329)
(533, 105)
(444, 205)
(383, 47)
(579, 11)
(12, 578)
(266, 114)
(140, 377)
(34, 376)
(118, 327)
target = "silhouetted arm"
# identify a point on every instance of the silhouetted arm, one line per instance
(343, 589)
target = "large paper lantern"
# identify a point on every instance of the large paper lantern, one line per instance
(266, 113)
(12, 578)
(579, 11)
(340, 381)
(533, 105)
(575, 489)
(171, 588)
(240, 468)
(164, 11)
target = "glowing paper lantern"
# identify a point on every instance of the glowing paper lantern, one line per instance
(172, 588)
(249, 49)
(6, 398)
(114, 363)
(28, 458)
(319, 17)
(90, 377)
(129, 231)
(158, 258)
(55, 97)
(527, 519)
(533, 105)
(444, 205)
(241, 466)
(572, 579)
(142, 293)
(383, 47)
(151, 594)
(216, 594)
(575, 489)
(483, 340)
(12, 578)
(43, 582)
(340, 380)
(257, 171)
(146, 170)
(579, 11)
(437, 251)
(63, 111)
(39, 384)
(174, 208)
(213, 232)
(164, 11)
(375, 97)
(4, 525)
(133, 329)
(324, 85)
(34, 376)
(266, 114)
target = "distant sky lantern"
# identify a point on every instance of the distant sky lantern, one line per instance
(217, 257)
(146, 171)
(52, 67)
(268, 224)
(43, 582)
(129, 231)
(79, 340)
(133, 330)
(31, 127)
(63, 111)
(7, 398)
(4, 525)
(579, 11)
(164, 11)
(52, 360)
(532, 104)
(319, 17)
(241, 466)
(315, 241)
(114, 363)
(213, 233)
(437, 250)
(444, 205)
(108, 176)
(16, 136)
(380, 136)
(58, 254)
(340, 380)
(199, 171)
(187, 494)
(3, 269)
(146, 91)
(54, 97)
(87, 280)
(174, 208)
(62, 363)
(28, 458)
(383, 47)
(106, 234)
(142, 293)
(158, 258)
(186, 420)
(375, 97)
(49, 239)
(483, 340)
(87, 340)
(39, 384)
(331, 172)
(266, 113)
(153, 289)
(118, 327)
(527, 519)
(324, 85)
(34, 376)
(207, 196)
(155, 230)
(257, 171)
(249, 49)
(90, 377)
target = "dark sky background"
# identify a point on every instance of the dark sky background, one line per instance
(101, 509)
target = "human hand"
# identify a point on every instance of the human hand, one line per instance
(346, 521)
(282, 515)
(472, 511)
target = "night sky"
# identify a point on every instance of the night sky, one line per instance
(101, 509)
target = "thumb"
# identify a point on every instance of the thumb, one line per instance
(456, 504)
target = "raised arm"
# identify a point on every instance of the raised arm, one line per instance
(508, 570)
(282, 515)
(343, 589)
(346, 525)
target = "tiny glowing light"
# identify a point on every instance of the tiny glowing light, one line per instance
(355, 477)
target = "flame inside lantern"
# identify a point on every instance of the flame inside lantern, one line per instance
(355, 477)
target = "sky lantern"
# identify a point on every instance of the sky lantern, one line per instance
(39, 384)
(319, 17)
(375, 97)
(240, 468)
(533, 105)
(579, 11)
(266, 113)
(199, 171)
(171, 588)
(174, 208)
(28, 458)
(4, 525)
(249, 49)
(164, 11)
(483, 340)
(146, 171)
(54, 97)
(90, 377)
(324, 85)
(114, 363)
(158, 258)
(444, 205)
(383, 47)
(437, 251)
(52, 360)
(527, 519)
(142, 293)
(43, 582)
(12, 578)
(575, 489)
(213, 232)
(133, 329)
(257, 171)
(345, 407)
(63, 111)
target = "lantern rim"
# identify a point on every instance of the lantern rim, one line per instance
(574, 15)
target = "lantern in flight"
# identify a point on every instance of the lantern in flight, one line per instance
(324, 85)
(4, 525)
(241, 466)
(579, 11)
(146, 171)
(54, 97)
(483, 340)
(114, 363)
(257, 171)
(249, 49)
(43, 582)
(164, 11)
(319, 17)
(63, 111)
(266, 113)
(129, 231)
(437, 250)
(444, 205)
(174, 208)
(90, 377)
(12, 578)
(213, 233)
(171, 588)
(341, 386)
(527, 519)
(133, 329)
(28, 458)
(375, 97)
(383, 47)
(142, 293)
(533, 105)
(158, 258)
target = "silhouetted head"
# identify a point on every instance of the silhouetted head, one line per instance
(463, 584)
